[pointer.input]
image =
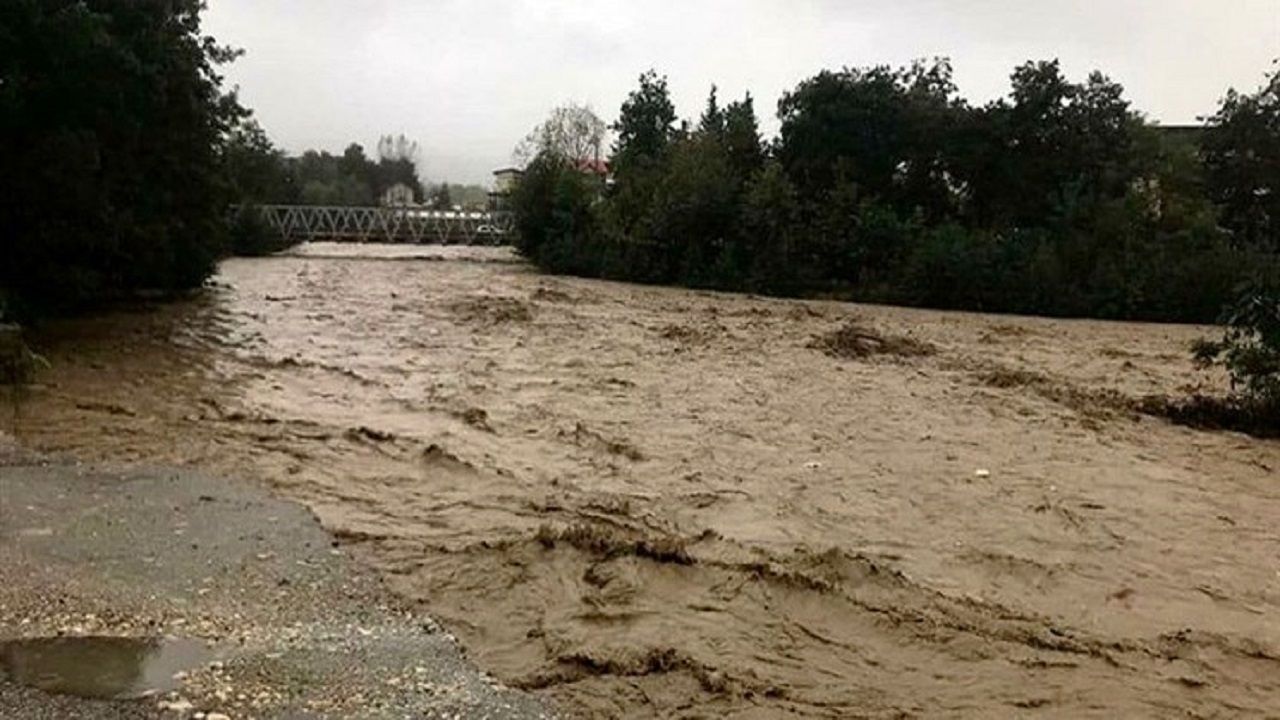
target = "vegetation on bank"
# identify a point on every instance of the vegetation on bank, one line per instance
(112, 117)
(885, 186)
(1250, 352)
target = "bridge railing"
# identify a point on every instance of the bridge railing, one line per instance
(300, 223)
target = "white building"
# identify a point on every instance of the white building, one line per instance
(398, 195)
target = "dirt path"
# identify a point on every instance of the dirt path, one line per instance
(644, 501)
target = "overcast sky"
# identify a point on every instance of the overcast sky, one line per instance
(468, 78)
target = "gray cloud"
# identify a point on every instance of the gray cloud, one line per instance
(468, 78)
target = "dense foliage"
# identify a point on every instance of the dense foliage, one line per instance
(1250, 351)
(885, 185)
(111, 119)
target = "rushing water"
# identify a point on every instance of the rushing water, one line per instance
(654, 501)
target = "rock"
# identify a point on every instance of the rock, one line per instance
(217, 716)
(982, 474)
(177, 706)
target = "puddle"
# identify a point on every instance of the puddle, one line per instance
(101, 667)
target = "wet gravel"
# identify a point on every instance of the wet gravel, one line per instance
(296, 628)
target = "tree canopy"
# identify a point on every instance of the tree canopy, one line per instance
(112, 117)
(884, 184)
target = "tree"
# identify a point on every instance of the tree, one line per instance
(112, 116)
(573, 132)
(843, 126)
(645, 125)
(1053, 145)
(764, 253)
(397, 165)
(693, 212)
(254, 167)
(742, 137)
(555, 220)
(442, 199)
(1241, 152)
(318, 178)
(712, 122)
(885, 185)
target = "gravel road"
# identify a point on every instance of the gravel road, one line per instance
(296, 629)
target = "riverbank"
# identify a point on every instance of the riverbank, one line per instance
(638, 501)
(292, 626)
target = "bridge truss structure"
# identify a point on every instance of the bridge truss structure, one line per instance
(404, 225)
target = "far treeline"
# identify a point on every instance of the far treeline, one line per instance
(258, 173)
(261, 174)
(885, 186)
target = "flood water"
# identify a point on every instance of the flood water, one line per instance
(111, 668)
(646, 501)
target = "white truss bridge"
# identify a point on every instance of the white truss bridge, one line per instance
(408, 225)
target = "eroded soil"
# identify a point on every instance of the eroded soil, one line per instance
(646, 501)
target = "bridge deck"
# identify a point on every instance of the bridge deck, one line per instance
(408, 225)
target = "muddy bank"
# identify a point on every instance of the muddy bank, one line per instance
(640, 501)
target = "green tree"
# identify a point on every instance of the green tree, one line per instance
(255, 168)
(764, 254)
(712, 122)
(112, 116)
(742, 137)
(1051, 144)
(845, 126)
(442, 200)
(646, 125)
(555, 220)
(397, 165)
(1242, 164)
(694, 209)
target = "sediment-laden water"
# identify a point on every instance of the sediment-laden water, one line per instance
(646, 501)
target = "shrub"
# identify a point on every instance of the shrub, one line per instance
(1250, 348)
(251, 235)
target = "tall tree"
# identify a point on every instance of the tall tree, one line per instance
(646, 124)
(397, 165)
(742, 137)
(572, 132)
(111, 116)
(1241, 152)
(255, 168)
(443, 200)
(712, 121)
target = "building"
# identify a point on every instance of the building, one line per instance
(398, 195)
(504, 183)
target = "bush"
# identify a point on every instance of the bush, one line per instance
(1250, 348)
(251, 235)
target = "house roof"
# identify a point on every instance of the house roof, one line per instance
(599, 167)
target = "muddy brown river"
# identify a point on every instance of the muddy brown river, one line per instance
(647, 502)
